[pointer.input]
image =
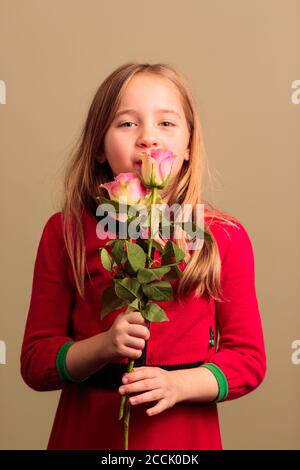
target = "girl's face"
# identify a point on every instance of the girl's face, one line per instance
(150, 116)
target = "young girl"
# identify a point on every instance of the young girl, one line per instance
(211, 349)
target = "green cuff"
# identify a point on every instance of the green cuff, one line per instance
(221, 379)
(61, 364)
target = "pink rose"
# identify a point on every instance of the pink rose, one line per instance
(156, 168)
(129, 186)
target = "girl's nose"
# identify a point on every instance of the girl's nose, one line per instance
(148, 139)
(147, 148)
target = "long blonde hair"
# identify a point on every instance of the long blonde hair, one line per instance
(84, 174)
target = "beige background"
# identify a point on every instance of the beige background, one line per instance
(240, 58)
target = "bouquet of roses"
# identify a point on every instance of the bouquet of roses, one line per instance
(138, 281)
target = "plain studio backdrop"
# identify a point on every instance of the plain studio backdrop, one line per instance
(242, 61)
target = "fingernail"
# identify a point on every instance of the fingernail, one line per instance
(125, 380)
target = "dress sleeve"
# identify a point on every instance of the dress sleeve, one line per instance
(240, 359)
(49, 318)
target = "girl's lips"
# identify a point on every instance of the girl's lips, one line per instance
(145, 152)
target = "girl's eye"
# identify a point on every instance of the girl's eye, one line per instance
(128, 122)
(122, 125)
(168, 122)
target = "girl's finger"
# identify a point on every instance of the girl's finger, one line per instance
(153, 395)
(139, 373)
(139, 386)
(158, 408)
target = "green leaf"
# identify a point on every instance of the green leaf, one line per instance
(118, 252)
(155, 244)
(145, 275)
(135, 304)
(172, 250)
(105, 259)
(136, 256)
(174, 273)
(178, 252)
(158, 291)
(110, 302)
(160, 271)
(128, 288)
(111, 242)
(128, 269)
(154, 312)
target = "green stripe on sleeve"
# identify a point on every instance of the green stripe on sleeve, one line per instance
(221, 379)
(61, 364)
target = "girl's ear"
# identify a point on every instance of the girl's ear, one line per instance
(187, 154)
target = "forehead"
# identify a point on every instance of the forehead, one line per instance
(148, 90)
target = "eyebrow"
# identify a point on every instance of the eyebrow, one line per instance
(133, 111)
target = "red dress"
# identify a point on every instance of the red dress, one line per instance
(87, 417)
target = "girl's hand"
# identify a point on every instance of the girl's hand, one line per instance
(158, 384)
(127, 336)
